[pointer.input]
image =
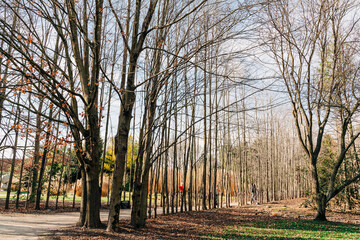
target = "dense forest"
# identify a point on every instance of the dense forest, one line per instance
(178, 105)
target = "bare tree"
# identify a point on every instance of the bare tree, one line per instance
(53, 77)
(306, 49)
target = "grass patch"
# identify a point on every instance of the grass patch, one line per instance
(287, 229)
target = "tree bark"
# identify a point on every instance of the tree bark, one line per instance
(321, 207)
(23, 158)
(36, 152)
(43, 163)
(128, 100)
(16, 127)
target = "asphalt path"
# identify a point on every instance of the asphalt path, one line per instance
(33, 226)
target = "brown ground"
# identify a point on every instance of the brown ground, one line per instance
(194, 225)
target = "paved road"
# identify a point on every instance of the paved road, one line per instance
(33, 226)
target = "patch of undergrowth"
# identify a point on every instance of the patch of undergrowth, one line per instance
(287, 229)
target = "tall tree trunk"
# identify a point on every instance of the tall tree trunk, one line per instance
(192, 187)
(131, 181)
(47, 145)
(157, 177)
(245, 149)
(187, 149)
(61, 175)
(23, 158)
(215, 187)
(191, 152)
(83, 205)
(205, 139)
(75, 185)
(196, 182)
(52, 165)
(92, 197)
(106, 138)
(174, 187)
(143, 162)
(151, 191)
(36, 152)
(16, 127)
(210, 130)
(321, 207)
(125, 116)
(164, 159)
(228, 154)
(2, 165)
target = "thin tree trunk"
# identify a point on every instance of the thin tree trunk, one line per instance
(52, 165)
(108, 195)
(187, 149)
(205, 139)
(83, 206)
(197, 198)
(61, 175)
(106, 138)
(131, 182)
(157, 176)
(16, 127)
(23, 158)
(36, 152)
(228, 155)
(192, 144)
(75, 185)
(174, 188)
(151, 190)
(47, 145)
(245, 150)
(210, 130)
(125, 116)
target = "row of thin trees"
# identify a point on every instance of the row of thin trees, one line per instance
(159, 97)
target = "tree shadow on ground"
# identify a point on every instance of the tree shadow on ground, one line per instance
(208, 224)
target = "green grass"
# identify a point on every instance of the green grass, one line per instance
(12, 194)
(286, 229)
